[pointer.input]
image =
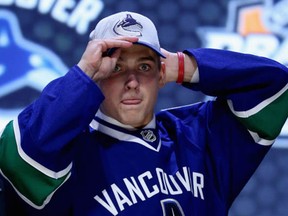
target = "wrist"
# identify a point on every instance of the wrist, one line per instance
(181, 67)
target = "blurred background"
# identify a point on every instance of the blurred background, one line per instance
(41, 39)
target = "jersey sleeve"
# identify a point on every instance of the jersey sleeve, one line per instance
(233, 131)
(39, 142)
(255, 88)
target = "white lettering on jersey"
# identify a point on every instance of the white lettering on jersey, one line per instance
(148, 193)
(149, 184)
(108, 204)
(198, 184)
(120, 197)
(134, 189)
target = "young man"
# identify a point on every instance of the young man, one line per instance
(59, 158)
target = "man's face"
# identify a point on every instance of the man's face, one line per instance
(132, 89)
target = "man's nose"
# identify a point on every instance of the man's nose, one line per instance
(132, 81)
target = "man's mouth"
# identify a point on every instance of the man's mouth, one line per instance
(131, 101)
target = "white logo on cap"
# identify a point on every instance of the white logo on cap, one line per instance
(128, 27)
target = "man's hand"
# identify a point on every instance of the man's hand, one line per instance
(94, 61)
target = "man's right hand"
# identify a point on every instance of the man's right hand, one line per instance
(95, 63)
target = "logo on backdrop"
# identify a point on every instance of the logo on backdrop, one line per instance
(77, 14)
(253, 26)
(25, 68)
(257, 27)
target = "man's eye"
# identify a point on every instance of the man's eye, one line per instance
(144, 67)
(117, 68)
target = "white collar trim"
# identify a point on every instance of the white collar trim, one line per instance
(95, 125)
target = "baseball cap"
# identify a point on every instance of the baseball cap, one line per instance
(128, 24)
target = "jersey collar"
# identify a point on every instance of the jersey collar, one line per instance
(147, 136)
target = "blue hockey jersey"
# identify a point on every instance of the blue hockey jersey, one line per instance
(59, 158)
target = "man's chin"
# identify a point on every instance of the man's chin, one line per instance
(134, 119)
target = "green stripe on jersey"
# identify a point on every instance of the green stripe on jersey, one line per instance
(269, 121)
(28, 181)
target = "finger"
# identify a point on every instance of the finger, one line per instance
(109, 52)
(120, 42)
(113, 58)
(116, 54)
(126, 38)
(116, 43)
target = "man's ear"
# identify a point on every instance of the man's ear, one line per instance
(162, 77)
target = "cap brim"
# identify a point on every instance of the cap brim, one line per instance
(151, 47)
